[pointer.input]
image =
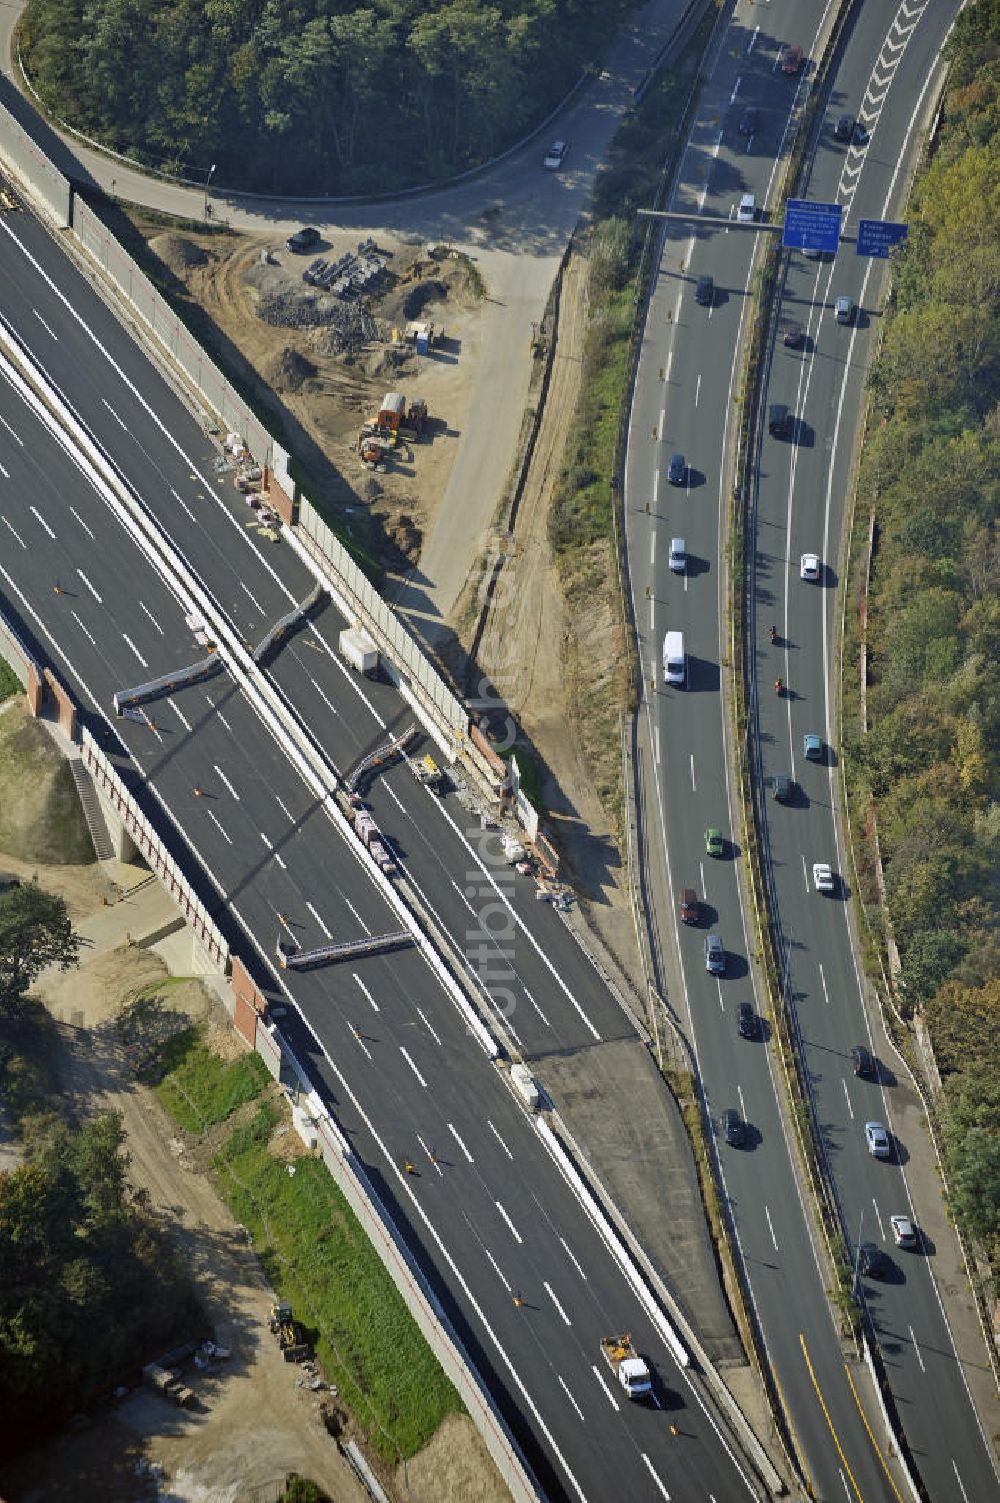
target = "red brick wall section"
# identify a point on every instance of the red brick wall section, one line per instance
(283, 504)
(250, 1004)
(67, 709)
(36, 691)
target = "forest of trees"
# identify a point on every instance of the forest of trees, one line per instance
(310, 96)
(88, 1287)
(931, 473)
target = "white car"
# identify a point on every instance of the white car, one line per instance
(556, 155)
(878, 1142)
(822, 876)
(746, 213)
(809, 566)
(904, 1233)
(678, 555)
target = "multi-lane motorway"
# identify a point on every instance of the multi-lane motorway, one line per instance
(488, 1214)
(685, 396)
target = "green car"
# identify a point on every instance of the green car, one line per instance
(812, 746)
(714, 842)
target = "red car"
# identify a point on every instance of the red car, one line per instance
(790, 58)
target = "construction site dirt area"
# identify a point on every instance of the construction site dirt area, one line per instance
(258, 1418)
(400, 319)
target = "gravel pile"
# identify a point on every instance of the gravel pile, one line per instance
(346, 328)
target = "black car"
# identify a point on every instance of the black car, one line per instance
(746, 1021)
(677, 469)
(792, 335)
(779, 420)
(844, 128)
(872, 1261)
(303, 239)
(704, 293)
(781, 787)
(864, 1063)
(732, 1127)
(749, 121)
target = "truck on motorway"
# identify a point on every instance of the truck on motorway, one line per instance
(674, 659)
(359, 651)
(628, 1367)
(426, 771)
(525, 1085)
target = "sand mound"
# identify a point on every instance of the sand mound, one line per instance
(177, 252)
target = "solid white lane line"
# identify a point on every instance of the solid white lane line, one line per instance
(181, 502)
(179, 713)
(694, 785)
(135, 649)
(463, 897)
(570, 1396)
(697, 384)
(364, 988)
(228, 784)
(770, 1227)
(572, 1259)
(848, 1095)
(551, 1294)
(958, 1475)
(535, 1006)
(41, 519)
(455, 1134)
(359, 1041)
(218, 826)
(90, 587)
(826, 994)
(496, 1268)
(114, 414)
(82, 523)
(917, 1350)
(878, 1216)
(147, 612)
(80, 624)
(805, 873)
(427, 1024)
(151, 723)
(319, 920)
(743, 1105)
(652, 549)
(224, 721)
(649, 1467)
(513, 1229)
(325, 698)
(45, 326)
(20, 539)
(499, 1139)
(607, 1391)
(413, 1067)
(357, 915)
(15, 436)
(5, 473)
(431, 1155)
(253, 597)
(284, 809)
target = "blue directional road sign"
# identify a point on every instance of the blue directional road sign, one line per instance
(811, 226)
(876, 237)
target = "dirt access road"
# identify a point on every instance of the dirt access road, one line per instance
(255, 1425)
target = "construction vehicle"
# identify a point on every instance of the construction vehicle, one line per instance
(629, 1368)
(289, 1333)
(412, 426)
(426, 771)
(374, 448)
(392, 411)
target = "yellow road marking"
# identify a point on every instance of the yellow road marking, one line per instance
(826, 1415)
(864, 1421)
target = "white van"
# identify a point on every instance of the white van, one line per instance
(674, 659)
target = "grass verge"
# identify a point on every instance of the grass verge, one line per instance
(10, 684)
(314, 1252)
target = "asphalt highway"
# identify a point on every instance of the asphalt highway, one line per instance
(801, 509)
(488, 1214)
(686, 388)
